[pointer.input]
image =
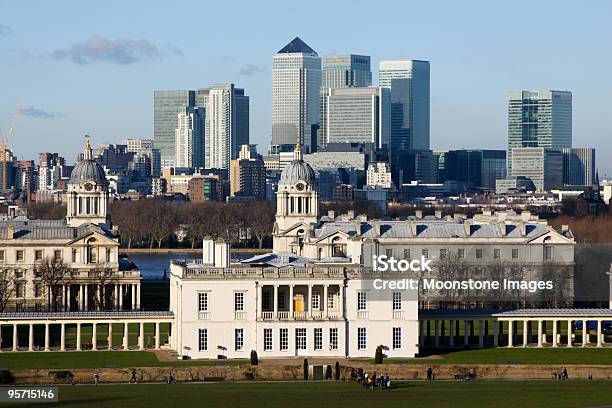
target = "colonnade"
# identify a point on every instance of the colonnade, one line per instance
(86, 296)
(323, 311)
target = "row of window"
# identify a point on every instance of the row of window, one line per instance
(266, 301)
(92, 255)
(362, 338)
(497, 253)
(203, 301)
(362, 301)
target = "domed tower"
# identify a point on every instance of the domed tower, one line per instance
(297, 202)
(87, 192)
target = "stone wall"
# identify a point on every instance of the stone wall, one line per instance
(289, 373)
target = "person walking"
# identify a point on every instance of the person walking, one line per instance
(133, 377)
(96, 377)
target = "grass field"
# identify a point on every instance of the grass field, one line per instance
(522, 394)
(100, 359)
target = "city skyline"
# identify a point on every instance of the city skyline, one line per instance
(100, 79)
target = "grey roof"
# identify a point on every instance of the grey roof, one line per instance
(297, 46)
(88, 170)
(84, 315)
(48, 229)
(297, 170)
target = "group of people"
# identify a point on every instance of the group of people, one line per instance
(561, 375)
(371, 381)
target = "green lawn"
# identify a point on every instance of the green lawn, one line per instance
(95, 359)
(440, 394)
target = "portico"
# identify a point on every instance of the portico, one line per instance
(296, 301)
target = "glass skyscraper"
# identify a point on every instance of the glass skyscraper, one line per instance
(539, 119)
(578, 166)
(166, 107)
(296, 84)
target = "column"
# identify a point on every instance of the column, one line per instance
(68, 297)
(133, 296)
(510, 334)
(120, 297)
(141, 337)
(94, 337)
(309, 300)
(325, 314)
(0, 337)
(64, 297)
(436, 333)
(63, 337)
(275, 301)
(291, 301)
(599, 333)
(466, 339)
(481, 333)
(78, 334)
(47, 337)
(81, 298)
(341, 300)
(110, 336)
(569, 333)
(86, 298)
(31, 338)
(15, 338)
(125, 336)
(116, 293)
(525, 334)
(539, 333)
(259, 305)
(585, 333)
(138, 296)
(100, 305)
(157, 336)
(421, 334)
(451, 333)
(554, 339)
(495, 333)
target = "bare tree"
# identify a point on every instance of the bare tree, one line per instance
(103, 276)
(7, 289)
(162, 221)
(54, 275)
(261, 220)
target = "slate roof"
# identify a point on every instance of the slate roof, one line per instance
(297, 46)
(48, 229)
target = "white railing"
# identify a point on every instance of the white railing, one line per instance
(267, 315)
(204, 315)
(283, 315)
(317, 314)
(239, 315)
(362, 314)
(398, 314)
(299, 315)
(333, 314)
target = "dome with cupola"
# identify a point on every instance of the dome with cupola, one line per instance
(88, 170)
(298, 170)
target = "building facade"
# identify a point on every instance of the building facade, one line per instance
(189, 138)
(166, 107)
(579, 166)
(544, 167)
(248, 174)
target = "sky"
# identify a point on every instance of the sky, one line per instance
(78, 67)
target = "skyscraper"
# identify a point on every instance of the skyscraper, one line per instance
(166, 106)
(226, 123)
(296, 84)
(189, 136)
(539, 119)
(341, 71)
(409, 84)
(578, 166)
(357, 115)
(543, 166)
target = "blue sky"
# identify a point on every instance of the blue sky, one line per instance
(78, 67)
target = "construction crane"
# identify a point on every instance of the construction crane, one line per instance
(4, 144)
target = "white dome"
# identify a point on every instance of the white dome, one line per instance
(297, 170)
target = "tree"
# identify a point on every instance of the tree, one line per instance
(162, 221)
(261, 220)
(7, 288)
(54, 274)
(103, 276)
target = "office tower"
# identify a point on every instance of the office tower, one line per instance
(189, 136)
(166, 107)
(578, 166)
(539, 119)
(543, 166)
(248, 174)
(134, 145)
(379, 175)
(474, 168)
(113, 156)
(296, 83)
(226, 123)
(409, 84)
(357, 115)
(146, 163)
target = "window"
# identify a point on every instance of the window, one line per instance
(300, 338)
(461, 253)
(515, 253)
(281, 300)
(425, 253)
(496, 253)
(19, 255)
(284, 339)
(443, 253)
(38, 255)
(389, 253)
(265, 300)
(361, 300)
(57, 255)
(318, 338)
(397, 338)
(38, 290)
(74, 256)
(20, 290)
(203, 302)
(2, 256)
(267, 339)
(548, 252)
(93, 254)
(361, 338)
(238, 301)
(108, 254)
(397, 300)
(333, 338)
(202, 339)
(406, 254)
(19, 273)
(315, 302)
(238, 339)
(479, 253)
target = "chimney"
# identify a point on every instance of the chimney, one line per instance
(208, 251)
(467, 228)
(522, 228)
(526, 216)
(502, 228)
(487, 212)
(351, 214)
(331, 214)
(438, 214)
(10, 231)
(565, 228)
(418, 214)
(222, 254)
